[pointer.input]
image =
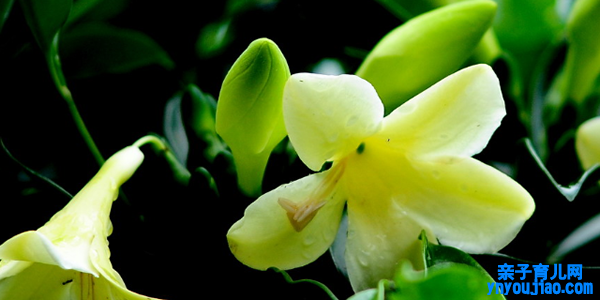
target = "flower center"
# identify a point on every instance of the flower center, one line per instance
(300, 214)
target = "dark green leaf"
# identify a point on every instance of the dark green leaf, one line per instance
(174, 129)
(45, 19)
(587, 232)
(97, 48)
(213, 38)
(571, 191)
(34, 173)
(5, 8)
(96, 10)
(202, 121)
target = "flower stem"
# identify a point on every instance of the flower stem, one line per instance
(181, 173)
(59, 80)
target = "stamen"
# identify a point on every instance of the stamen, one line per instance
(300, 214)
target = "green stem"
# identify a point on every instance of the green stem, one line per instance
(60, 82)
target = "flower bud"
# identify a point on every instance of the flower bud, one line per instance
(425, 49)
(249, 110)
(583, 55)
(587, 143)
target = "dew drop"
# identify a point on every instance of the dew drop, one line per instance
(309, 240)
(351, 121)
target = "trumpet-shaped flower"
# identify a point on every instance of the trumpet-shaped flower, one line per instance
(587, 143)
(398, 175)
(68, 257)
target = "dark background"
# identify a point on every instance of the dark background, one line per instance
(169, 240)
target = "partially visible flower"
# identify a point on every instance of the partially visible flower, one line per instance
(68, 257)
(249, 113)
(587, 143)
(398, 175)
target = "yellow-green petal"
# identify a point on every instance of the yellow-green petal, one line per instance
(249, 111)
(425, 49)
(33, 246)
(49, 282)
(466, 203)
(587, 143)
(456, 116)
(380, 234)
(265, 238)
(328, 116)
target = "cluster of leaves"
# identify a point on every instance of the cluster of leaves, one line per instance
(118, 70)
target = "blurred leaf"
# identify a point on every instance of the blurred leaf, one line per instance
(45, 19)
(234, 7)
(34, 173)
(202, 121)
(214, 38)
(587, 232)
(201, 177)
(174, 129)
(5, 8)
(96, 10)
(97, 48)
(524, 28)
(571, 191)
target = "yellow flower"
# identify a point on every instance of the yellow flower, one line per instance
(68, 257)
(398, 175)
(587, 143)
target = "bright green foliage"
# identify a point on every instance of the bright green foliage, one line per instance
(249, 110)
(583, 58)
(425, 49)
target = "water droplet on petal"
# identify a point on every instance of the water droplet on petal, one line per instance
(351, 121)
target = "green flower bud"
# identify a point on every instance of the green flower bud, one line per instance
(249, 110)
(583, 55)
(425, 49)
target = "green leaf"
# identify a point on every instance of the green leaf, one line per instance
(438, 254)
(585, 233)
(45, 19)
(34, 173)
(524, 29)
(203, 109)
(571, 191)
(96, 10)
(214, 38)
(425, 49)
(174, 129)
(446, 281)
(96, 48)
(5, 8)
